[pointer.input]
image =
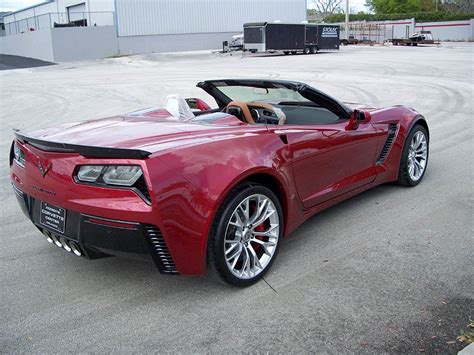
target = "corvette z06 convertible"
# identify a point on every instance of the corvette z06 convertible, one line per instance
(195, 188)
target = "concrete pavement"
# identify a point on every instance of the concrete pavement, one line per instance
(387, 271)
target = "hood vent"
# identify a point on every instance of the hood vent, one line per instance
(392, 132)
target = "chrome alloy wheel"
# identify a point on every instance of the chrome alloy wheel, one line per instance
(251, 236)
(417, 155)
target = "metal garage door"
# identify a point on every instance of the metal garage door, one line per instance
(77, 13)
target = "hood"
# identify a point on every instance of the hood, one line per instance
(143, 133)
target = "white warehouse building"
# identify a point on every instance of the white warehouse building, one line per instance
(63, 30)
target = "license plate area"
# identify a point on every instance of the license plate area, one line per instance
(53, 217)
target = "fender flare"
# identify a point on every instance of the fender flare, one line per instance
(237, 181)
(418, 119)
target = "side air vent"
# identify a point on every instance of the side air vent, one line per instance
(392, 132)
(160, 252)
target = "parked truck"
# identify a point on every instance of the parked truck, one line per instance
(290, 38)
(350, 40)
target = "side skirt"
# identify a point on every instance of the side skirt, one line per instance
(324, 205)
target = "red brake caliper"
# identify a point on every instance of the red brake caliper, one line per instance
(259, 228)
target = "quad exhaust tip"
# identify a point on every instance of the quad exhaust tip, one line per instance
(48, 236)
(75, 248)
(65, 244)
(62, 242)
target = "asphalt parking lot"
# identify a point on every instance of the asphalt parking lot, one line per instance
(387, 271)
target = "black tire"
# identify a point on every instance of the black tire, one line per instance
(286, 52)
(293, 52)
(215, 249)
(307, 50)
(314, 50)
(404, 178)
(344, 42)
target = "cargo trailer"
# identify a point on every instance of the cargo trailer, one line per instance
(290, 38)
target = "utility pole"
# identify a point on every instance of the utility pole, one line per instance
(347, 19)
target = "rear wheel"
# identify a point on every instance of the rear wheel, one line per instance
(293, 52)
(314, 50)
(414, 157)
(307, 50)
(246, 235)
(344, 42)
(286, 52)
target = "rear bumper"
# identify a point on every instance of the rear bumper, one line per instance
(98, 237)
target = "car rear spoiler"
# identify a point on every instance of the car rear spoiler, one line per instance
(84, 150)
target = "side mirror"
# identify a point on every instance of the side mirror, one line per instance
(358, 117)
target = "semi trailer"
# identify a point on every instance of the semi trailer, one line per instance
(290, 38)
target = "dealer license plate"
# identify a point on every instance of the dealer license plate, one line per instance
(53, 217)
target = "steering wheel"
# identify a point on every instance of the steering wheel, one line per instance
(271, 116)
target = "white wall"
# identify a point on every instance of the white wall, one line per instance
(63, 44)
(449, 31)
(36, 44)
(151, 17)
(80, 43)
(444, 31)
(172, 43)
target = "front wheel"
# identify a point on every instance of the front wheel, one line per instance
(414, 159)
(246, 235)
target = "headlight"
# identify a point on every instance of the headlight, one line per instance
(120, 175)
(18, 155)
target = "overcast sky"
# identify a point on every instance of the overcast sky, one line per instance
(12, 5)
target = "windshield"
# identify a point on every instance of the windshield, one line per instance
(248, 94)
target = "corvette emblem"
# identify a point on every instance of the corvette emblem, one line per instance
(43, 170)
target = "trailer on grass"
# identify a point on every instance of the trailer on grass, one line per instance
(290, 38)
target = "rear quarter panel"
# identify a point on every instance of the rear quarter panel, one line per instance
(190, 184)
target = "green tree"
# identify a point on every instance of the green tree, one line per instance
(400, 6)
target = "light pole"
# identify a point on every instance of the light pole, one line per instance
(347, 19)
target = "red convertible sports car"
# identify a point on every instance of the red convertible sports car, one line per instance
(213, 188)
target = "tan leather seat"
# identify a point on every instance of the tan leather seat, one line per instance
(244, 109)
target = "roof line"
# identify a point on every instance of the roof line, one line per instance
(30, 7)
